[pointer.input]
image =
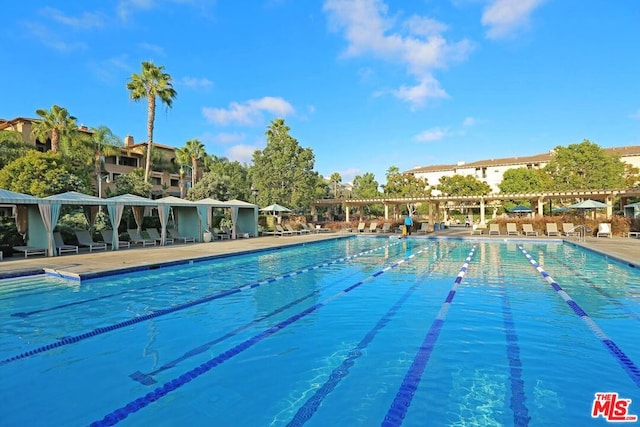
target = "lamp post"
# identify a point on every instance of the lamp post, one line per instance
(254, 193)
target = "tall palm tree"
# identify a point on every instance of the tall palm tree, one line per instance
(195, 150)
(150, 84)
(58, 123)
(182, 159)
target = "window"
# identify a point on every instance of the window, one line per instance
(128, 161)
(156, 180)
(175, 182)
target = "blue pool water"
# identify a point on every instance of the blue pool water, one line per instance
(350, 332)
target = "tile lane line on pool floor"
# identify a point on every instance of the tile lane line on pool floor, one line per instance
(125, 292)
(306, 411)
(627, 364)
(135, 405)
(162, 312)
(521, 416)
(396, 413)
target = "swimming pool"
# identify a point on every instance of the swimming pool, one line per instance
(356, 331)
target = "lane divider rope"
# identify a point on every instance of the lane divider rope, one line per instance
(141, 402)
(627, 364)
(161, 312)
(398, 410)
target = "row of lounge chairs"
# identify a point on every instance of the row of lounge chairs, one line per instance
(85, 240)
(568, 229)
(288, 230)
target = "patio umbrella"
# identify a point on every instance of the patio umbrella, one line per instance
(521, 209)
(588, 204)
(275, 209)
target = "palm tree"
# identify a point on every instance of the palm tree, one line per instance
(102, 143)
(182, 159)
(152, 82)
(195, 150)
(57, 123)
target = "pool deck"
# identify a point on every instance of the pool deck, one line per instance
(91, 264)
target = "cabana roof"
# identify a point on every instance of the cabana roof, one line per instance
(75, 198)
(131, 200)
(13, 198)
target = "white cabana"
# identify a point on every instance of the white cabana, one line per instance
(205, 212)
(115, 208)
(50, 211)
(244, 216)
(185, 214)
(632, 210)
(28, 216)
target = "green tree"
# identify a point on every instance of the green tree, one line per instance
(405, 185)
(586, 166)
(12, 147)
(41, 175)
(100, 144)
(194, 149)
(458, 185)
(235, 174)
(133, 183)
(335, 179)
(56, 123)
(211, 185)
(150, 84)
(523, 180)
(283, 171)
(365, 186)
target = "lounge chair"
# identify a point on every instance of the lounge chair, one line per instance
(477, 229)
(305, 229)
(155, 235)
(527, 230)
(512, 229)
(424, 228)
(176, 236)
(604, 230)
(319, 228)
(107, 236)
(61, 246)
(373, 227)
(30, 250)
(494, 229)
(361, 227)
(552, 229)
(292, 230)
(386, 228)
(282, 232)
(137, 239)
(568, 229)
(85, 239)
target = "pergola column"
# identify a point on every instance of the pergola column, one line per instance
(609, 201)
(386, 211)
(346, 213)
(541, 206)
(482, 218)
(314, 214)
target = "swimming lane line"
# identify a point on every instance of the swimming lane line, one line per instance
(396, 413)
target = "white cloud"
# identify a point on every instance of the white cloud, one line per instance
(158, 50)
(430, 135)
(428, 88)
(85, 21)
(229, 138)
(469, 121)
(504, 17)
(248, 113)
(416, 43)
(126, 8)
(110, 70)
(196, 83)
(241, 153)
(52, 38)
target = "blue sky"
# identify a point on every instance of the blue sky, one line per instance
(367, 84)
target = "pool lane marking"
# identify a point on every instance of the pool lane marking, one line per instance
(521, 416)
(627, 364)
(306, 411)
(216, 270)
(398, 410)
(161, 312)
(596, 287)
(158, 393)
